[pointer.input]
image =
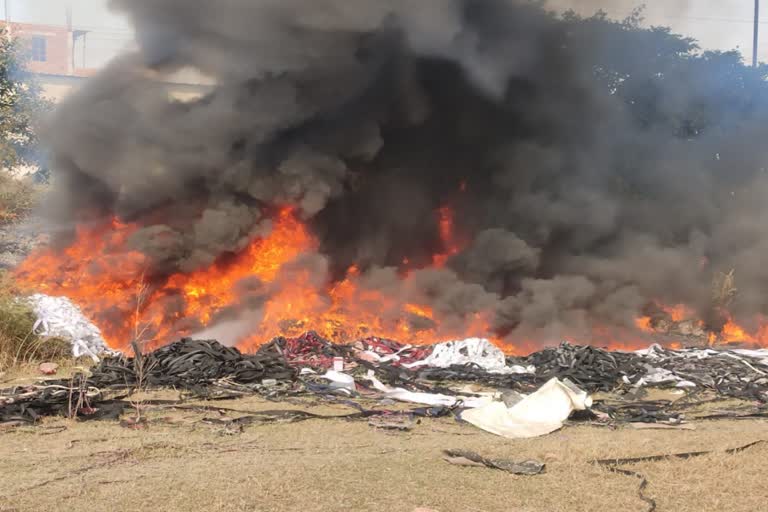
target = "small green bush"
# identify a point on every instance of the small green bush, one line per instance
(17, 198)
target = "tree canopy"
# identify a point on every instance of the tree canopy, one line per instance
(665, 79)
(21, 106)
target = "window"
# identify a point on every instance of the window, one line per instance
(39, 49)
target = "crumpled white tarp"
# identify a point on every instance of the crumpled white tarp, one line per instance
(477, 351)
(59, 317)
(434, 399)
(340, 380)
(535, 415)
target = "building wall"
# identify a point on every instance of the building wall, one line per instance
(58, 47)
(58, 75)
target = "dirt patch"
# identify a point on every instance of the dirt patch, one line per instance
(179, 463)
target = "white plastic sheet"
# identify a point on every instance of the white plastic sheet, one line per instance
(434, 399)
(535, 415)
(477, 351)
(340, 380)
(59, 317)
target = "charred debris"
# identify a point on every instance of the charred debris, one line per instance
(310, 366)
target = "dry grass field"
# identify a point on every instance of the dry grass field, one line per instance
(180, 463)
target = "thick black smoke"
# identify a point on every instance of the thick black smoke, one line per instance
(592, 166)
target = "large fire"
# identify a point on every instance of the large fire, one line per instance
(108, 282)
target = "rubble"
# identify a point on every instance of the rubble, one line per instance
(191, 364)
(308, 350)
(380, 350)
(589, 367)
(554, 382)
(737, 373)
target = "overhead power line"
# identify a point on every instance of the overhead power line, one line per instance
(744, 21)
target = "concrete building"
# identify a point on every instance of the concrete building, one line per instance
(57, 56)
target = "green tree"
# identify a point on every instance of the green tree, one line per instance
(666, 81)
(21, 106)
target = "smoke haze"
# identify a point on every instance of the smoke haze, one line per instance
(369, 116)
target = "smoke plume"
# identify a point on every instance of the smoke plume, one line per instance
(368, 116)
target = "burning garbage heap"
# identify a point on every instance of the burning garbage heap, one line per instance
(422, 173)
(514, 397)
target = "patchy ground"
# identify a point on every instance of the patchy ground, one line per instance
(180, 463)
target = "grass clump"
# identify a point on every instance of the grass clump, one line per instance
(18, 198)
(18, 343)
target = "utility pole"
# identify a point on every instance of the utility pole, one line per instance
(71, 38)
(75, 36)
(7, 14)
(756, 33)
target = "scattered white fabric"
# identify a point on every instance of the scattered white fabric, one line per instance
(59, 317)
(658, 376)
(340, 380)
(373, 357)
(535, 415)
(661, 376)
(750, 359)
(761, 354)
(433, 399)
(657, 352)
(756, 357)
(477, 351)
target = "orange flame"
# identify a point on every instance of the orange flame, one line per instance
(447, 237)
(734, 333)
(644, 324)
(107, 281)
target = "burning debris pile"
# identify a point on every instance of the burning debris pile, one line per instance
(376, 369)
(591, 368)
(460, 168)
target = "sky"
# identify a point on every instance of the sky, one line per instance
(717, 24)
